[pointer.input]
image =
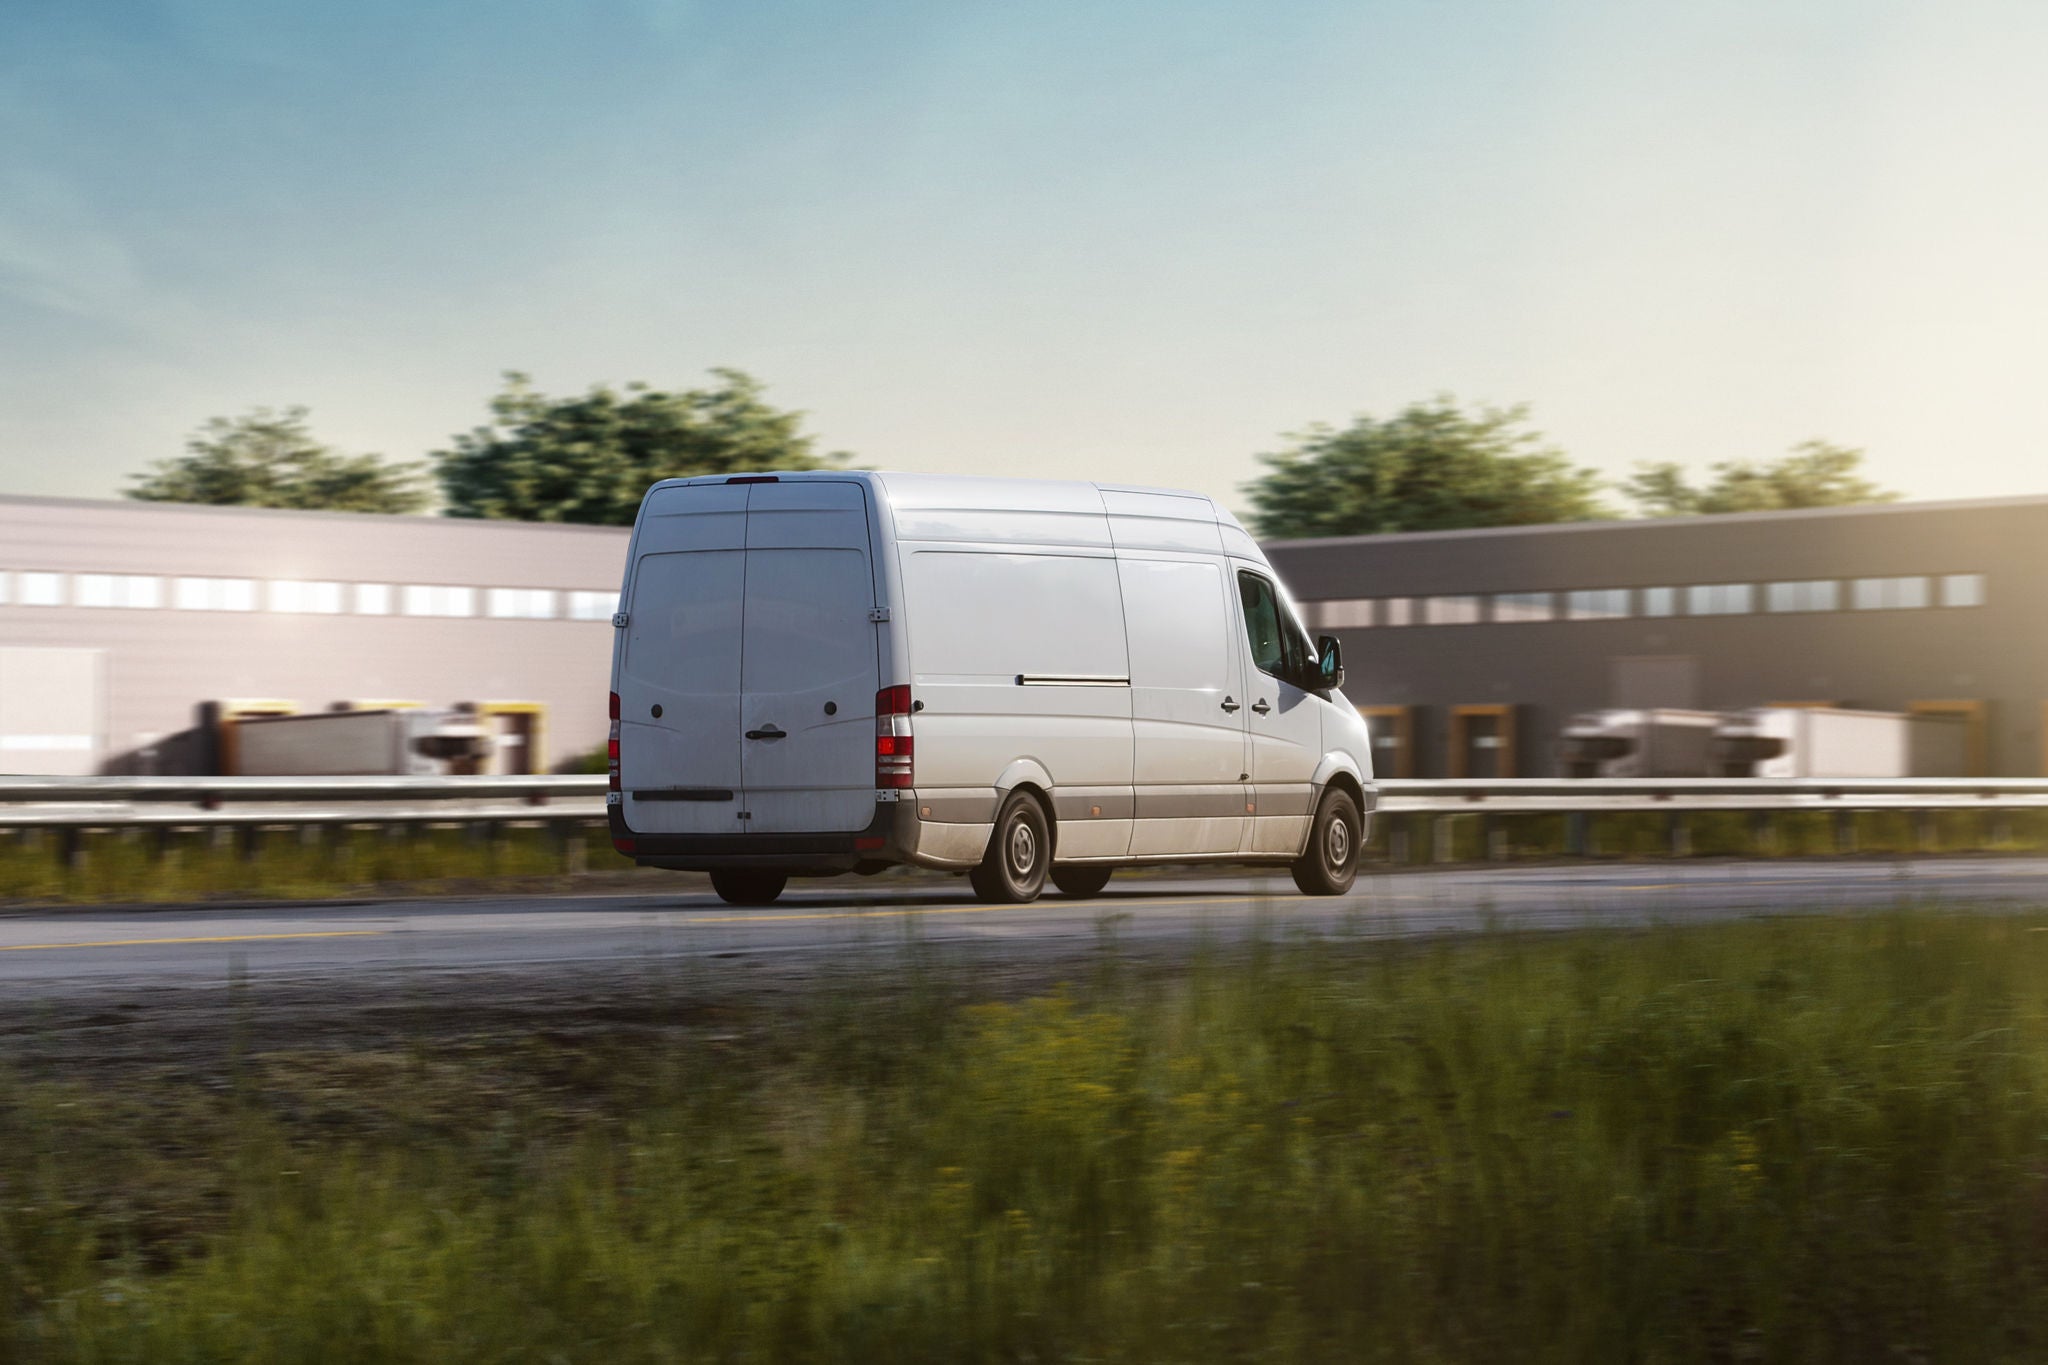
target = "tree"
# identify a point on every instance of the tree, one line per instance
(1815, 474)
(590, 459)
(1430, 467)
(270, 459)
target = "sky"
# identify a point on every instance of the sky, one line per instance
(1137, 242)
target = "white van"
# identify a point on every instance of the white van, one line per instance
(831, 672)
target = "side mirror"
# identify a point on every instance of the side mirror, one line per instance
(1330, 662)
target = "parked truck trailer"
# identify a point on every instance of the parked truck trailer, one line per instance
(1792, 741)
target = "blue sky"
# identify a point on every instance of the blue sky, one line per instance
(1133, 241)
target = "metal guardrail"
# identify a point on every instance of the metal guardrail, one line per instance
(1413, 810)
(212, 792)
(1414, 795)
(1597, 794)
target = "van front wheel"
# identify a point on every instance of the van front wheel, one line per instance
(1019, 853)
(1331, 863)
(748, 886)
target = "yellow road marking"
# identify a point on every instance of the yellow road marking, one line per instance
(947, 910)
(151, 942)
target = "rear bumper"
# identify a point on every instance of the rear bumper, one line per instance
(893, 836)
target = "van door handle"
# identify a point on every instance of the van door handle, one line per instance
(769, 732)
(1229, 704)
(1260, 706)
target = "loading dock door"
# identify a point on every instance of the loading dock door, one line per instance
(1482, 742)
(52, 718)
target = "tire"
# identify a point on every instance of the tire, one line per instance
(1331, 863)
(1019, 854)
(748, 885)
(1081, 880)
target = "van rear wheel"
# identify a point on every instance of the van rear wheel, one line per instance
(1331, 863)
(748, 885)
(1081, 880)
(1019, 854)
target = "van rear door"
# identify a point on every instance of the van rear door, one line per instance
(810, 666)
(679, 678)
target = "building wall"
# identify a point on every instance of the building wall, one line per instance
(1883, 658)
(161, 662)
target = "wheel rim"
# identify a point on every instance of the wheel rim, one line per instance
(1023, 849)
(1337, 844)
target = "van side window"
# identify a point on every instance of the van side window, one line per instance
(1278, 646)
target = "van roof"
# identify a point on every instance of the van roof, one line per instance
(934, 490)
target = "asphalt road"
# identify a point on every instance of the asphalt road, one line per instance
(51, 955)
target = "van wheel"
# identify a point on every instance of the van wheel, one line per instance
(1081, 880)
(1019, 852)
(748, 886)
(1331, 863)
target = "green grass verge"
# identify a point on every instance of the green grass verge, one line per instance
(132, 866)
(1812, 1139)
(137, 866)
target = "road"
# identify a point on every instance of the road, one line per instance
(49, 955)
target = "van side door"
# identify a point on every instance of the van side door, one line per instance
(1283, 720)
(1187, 706)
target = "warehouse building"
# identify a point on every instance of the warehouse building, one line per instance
(1471, 649)
(133, 633)
(129, 631)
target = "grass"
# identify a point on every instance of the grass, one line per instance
(136, 866)
(130, 866)
(1813, 1139)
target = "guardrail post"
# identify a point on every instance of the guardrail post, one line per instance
(1443, 840)
(571, 846)
(1399, 840)
(2001, 829)
(252, 842)
(1923, 831)
(1496, 836)
(1763, 833)
(1678, 834)
(71, 849)
(1845, 831)
(1578, 833)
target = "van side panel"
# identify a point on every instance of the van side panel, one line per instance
(1019, 654)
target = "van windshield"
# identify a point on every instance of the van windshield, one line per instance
(1278, 647)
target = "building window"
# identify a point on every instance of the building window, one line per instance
(426, 599)
(592, 606)
(1957, 590)
(287, 594)
(1719, 599)
(216, 594)
(1524, 606)
(118, 590)
(1890, 594)
(1450, 611)
(39, 589)
(1397, 611)
(1597, 604)
(1808, 594)
(1660, 601)
(373, 599)
(523, 604)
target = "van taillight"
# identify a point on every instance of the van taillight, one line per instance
(895, 764)
(611, 747)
